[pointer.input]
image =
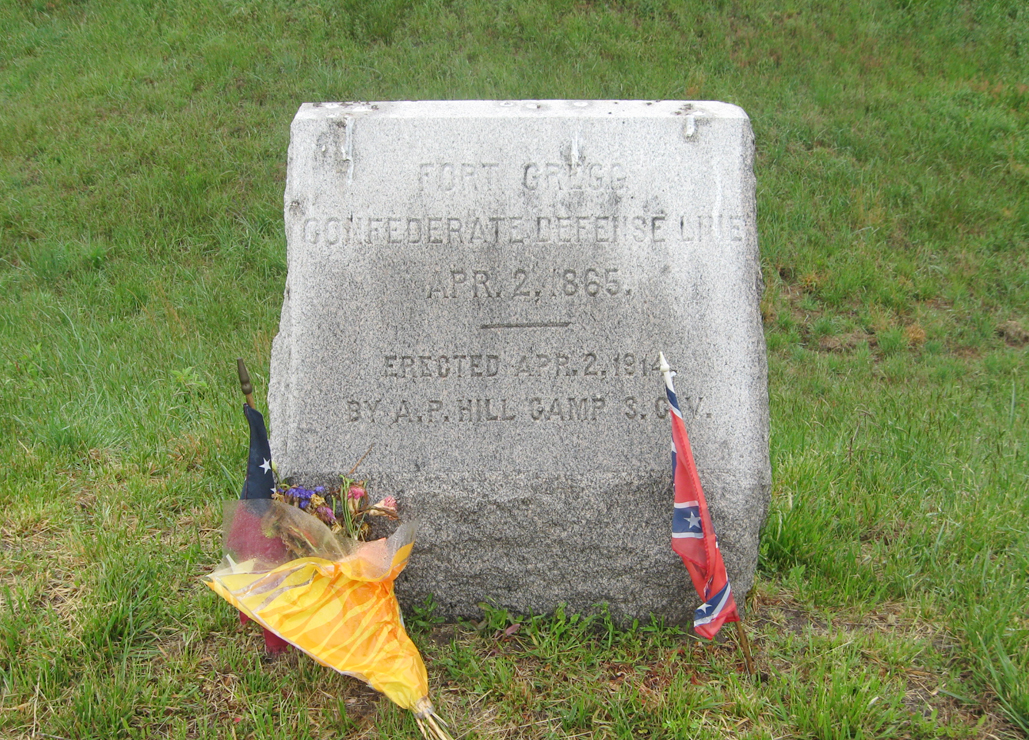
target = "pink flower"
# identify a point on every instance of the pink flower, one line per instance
(356, 493)
(389, 504)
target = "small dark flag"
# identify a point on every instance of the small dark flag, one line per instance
(244, 538)
(693, 534)
(260, 482)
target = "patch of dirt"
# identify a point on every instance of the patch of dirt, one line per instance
(1013, 334)
(442, 635)
(187, 452)
(794, 620)
(844, 342)
(362, 704)
(915, 335)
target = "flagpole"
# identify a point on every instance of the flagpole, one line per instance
(745, 646)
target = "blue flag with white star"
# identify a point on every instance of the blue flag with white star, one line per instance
(244, 538)
(260, 482)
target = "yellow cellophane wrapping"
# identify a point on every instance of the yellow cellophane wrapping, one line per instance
(341, 611)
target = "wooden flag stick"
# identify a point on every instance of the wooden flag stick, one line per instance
(745, 646)
(354, 469)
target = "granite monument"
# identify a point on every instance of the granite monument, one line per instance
(480, 289)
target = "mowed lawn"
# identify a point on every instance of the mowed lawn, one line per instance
(142, 165)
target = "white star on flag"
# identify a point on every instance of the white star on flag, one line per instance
(266, 465)
(694, 520)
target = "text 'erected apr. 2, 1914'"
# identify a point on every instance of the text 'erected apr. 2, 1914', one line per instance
(481, 290)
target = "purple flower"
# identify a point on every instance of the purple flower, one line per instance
(326, 513)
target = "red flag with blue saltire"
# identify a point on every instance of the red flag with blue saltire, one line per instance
(693, 534)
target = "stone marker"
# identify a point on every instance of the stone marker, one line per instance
(481, 289)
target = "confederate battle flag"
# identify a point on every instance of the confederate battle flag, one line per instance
(693, 534)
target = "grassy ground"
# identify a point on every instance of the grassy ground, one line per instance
(142, 156)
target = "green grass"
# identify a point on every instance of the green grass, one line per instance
(142, 161)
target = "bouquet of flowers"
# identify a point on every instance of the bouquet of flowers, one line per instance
(298, 561)
(343, 509)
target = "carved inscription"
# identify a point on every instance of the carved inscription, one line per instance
(440, 366)
(530, 408)
(703, 228)
(563, 176)
(459, 177)
(527, 282)
(486, 228)
(607, 376)
(470, 177)
(441, 369)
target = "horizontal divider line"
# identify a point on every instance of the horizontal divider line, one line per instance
(530, 325)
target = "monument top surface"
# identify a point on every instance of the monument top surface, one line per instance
(523, 108)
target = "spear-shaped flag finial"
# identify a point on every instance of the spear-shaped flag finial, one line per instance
(244, 382)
